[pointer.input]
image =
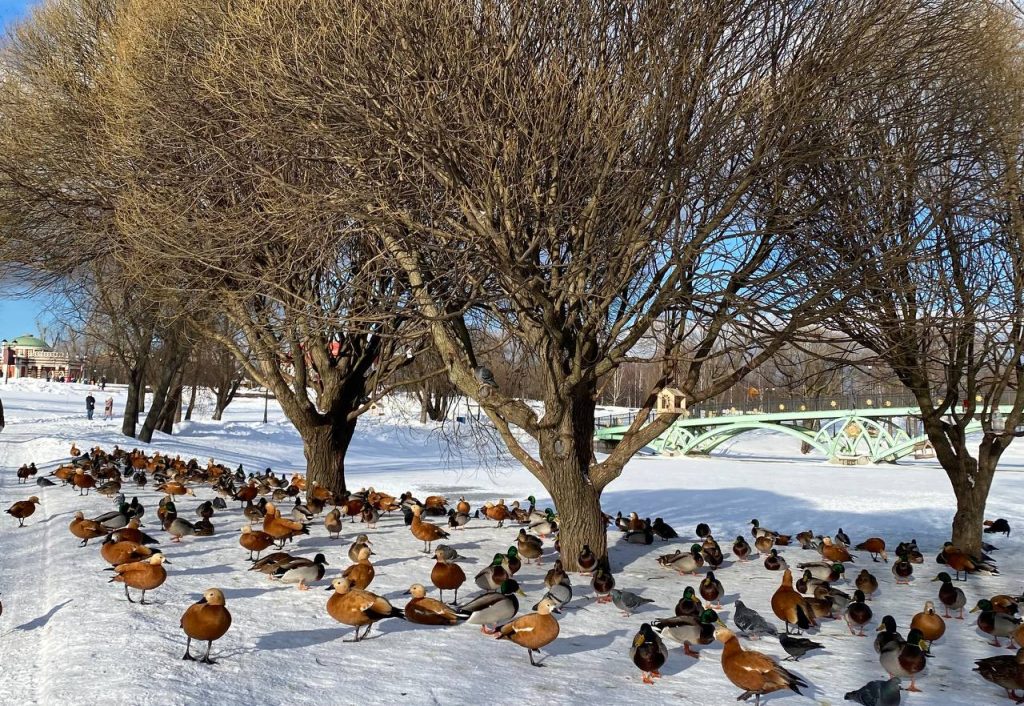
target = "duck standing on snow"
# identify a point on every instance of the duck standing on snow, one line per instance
(875, 546)
(492, 607)
(930, 623)
(587, 560)
(950, 596)
(446, 575)
(351, 606)
(254, 541)
(333, 523)
(689, 630)
(741, 548)
(866, 583)
(493, 575)
(752, 671)
(905, 659)
(427, 532)
(995, 624)
(790, 607)
(23, 509)
(858, 613)
(354, 549)
(774, 562)
(85, 529)
(711, 590)
(1004, 670)
(648, 653)
(208, 619)
(142, 575)
(360, 575)
(663, 530)
(532, 631)
(301, 571)
(603, 581)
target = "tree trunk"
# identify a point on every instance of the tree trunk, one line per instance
(325, 444)
(971, 490)
(136, 400)
(224, 395)
(156, 409)
(191, 403)
(171, 411)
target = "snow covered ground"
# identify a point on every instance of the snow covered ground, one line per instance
(69, 637)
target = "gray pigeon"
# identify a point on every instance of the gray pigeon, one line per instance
(626, 601)
(877, 693)
(447, 554)
(485, 376)
(43, 482)
(751, 622)
(560, 593)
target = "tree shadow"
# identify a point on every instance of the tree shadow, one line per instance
(42, 619)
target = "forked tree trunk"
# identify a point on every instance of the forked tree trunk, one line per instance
(136, 400)
(971, 490)
(191, 403)
(325, 444)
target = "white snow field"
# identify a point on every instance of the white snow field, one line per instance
(68, 637)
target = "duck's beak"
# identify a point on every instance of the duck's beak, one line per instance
(521, 593)
(329, 588)
(407, 593)
(201, 601)
(721, 624)
(935, 579)
(166, 560)
(880, 628)
(975, 609)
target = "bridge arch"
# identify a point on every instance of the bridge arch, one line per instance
(717, 435)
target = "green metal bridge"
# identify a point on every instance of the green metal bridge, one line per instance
(848, 436)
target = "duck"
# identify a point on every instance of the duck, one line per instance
(132, 533)
(644, 535)
(179, 527)
(689, 604)
(83, 481)
(173, 488)
(824, 570)
(929, 623)
(807, 583)
(144, 575)
(950, 596)
(840, 599)
(302, 571)
(995, 624)
(427, 611)
(492, 576)
(712, 552)
(911, 551)
(533, 630)
(684, 562)
(711, 590)
(603, 581)
(333, 523)
(457, 520)
(843, 537)
(663, 529)
(207, 619)
(1000, 526)
(462, 506)
(866, 583)
(902, 569)
(497, 512)
(858, 613)
(764, 543)
(648, 653)
(754, 672)
(587, 560)
(281, 528)
(875, 546)
(358, 608)
(740, 548)
(254, 541)
(85, 529)
(774, 562)
(559, 590)
(962, 562)
(905, 660)
(270, 563)
(689, 630)
(530, 547)
(492, 607)
(353, 550)
(427, 532)
(886, 633)
(790, 607)
(549, 526)
(446, 575)
(23, 509)
(1006, 671)
(512, 562)
(360, 575)
(834, 552)
(117, 553)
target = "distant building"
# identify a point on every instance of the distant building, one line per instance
(29, 357)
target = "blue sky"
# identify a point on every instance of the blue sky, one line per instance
(18, 316)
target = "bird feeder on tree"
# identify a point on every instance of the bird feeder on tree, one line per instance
(671, 401)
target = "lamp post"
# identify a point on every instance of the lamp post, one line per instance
(266, 398)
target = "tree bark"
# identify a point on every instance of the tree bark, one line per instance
(325, 443)
(971, 490)
(160, 396)
(136, 400)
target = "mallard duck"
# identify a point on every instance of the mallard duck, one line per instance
(644, 535)
(684, 562)
(356, 546)
(902, 569)
(752, 671)
(886, 633)
(910, 551)
(843, 537)
(929, 623)
(179, 527)
(560, 592)
(950, 596)
(648, 653)
(807, 583)
(740, 548)
(712, 553)
(840, 599)
(858, 613)
(824, 570)
(711, 590)
(663, 529)
(587, 560)
(142, 575)
(512, 562)
(603, 581)
(906, 660)
(492, 576)
(774, 562)
(866, 583)
(756, 530)
(875, 546)
(333, 523)
(458, 520)
(351, 606)
(995, 624)
(703, 530)
(764, 543)
(492, 607)
(545, 527)
(532, 631)
(208, 619)
(302, 571)
(790, 607)
(446, 575)
(689, 630)
(427, 611)
(1005, 671)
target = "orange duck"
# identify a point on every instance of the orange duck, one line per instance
(791, 607)
(281, 528)
(427, 532)
(360, 575)
(142, 575)
(447, 575)
(254, 541)
(834, 552)
(117, 553)
(754, 672)
(85, 529)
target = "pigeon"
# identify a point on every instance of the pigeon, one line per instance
(626, 601)
(485, 376)
(877, 693)
(43, 482)
(447, 554)
(751, 623)
(797, 647)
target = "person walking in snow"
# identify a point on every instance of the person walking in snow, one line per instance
(1, 415)
(108, 408)
(90, 405)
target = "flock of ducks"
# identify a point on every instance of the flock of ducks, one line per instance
(803, 599)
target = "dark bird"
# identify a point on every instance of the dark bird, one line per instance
(797, 647)
(663, 530)
(648, 653)
(999, 526)
(751, 622)
(877, 693)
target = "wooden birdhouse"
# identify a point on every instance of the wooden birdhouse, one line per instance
(671, 401)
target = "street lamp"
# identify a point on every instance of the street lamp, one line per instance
(266, 398)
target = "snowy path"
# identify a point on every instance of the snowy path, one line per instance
(68, 637)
